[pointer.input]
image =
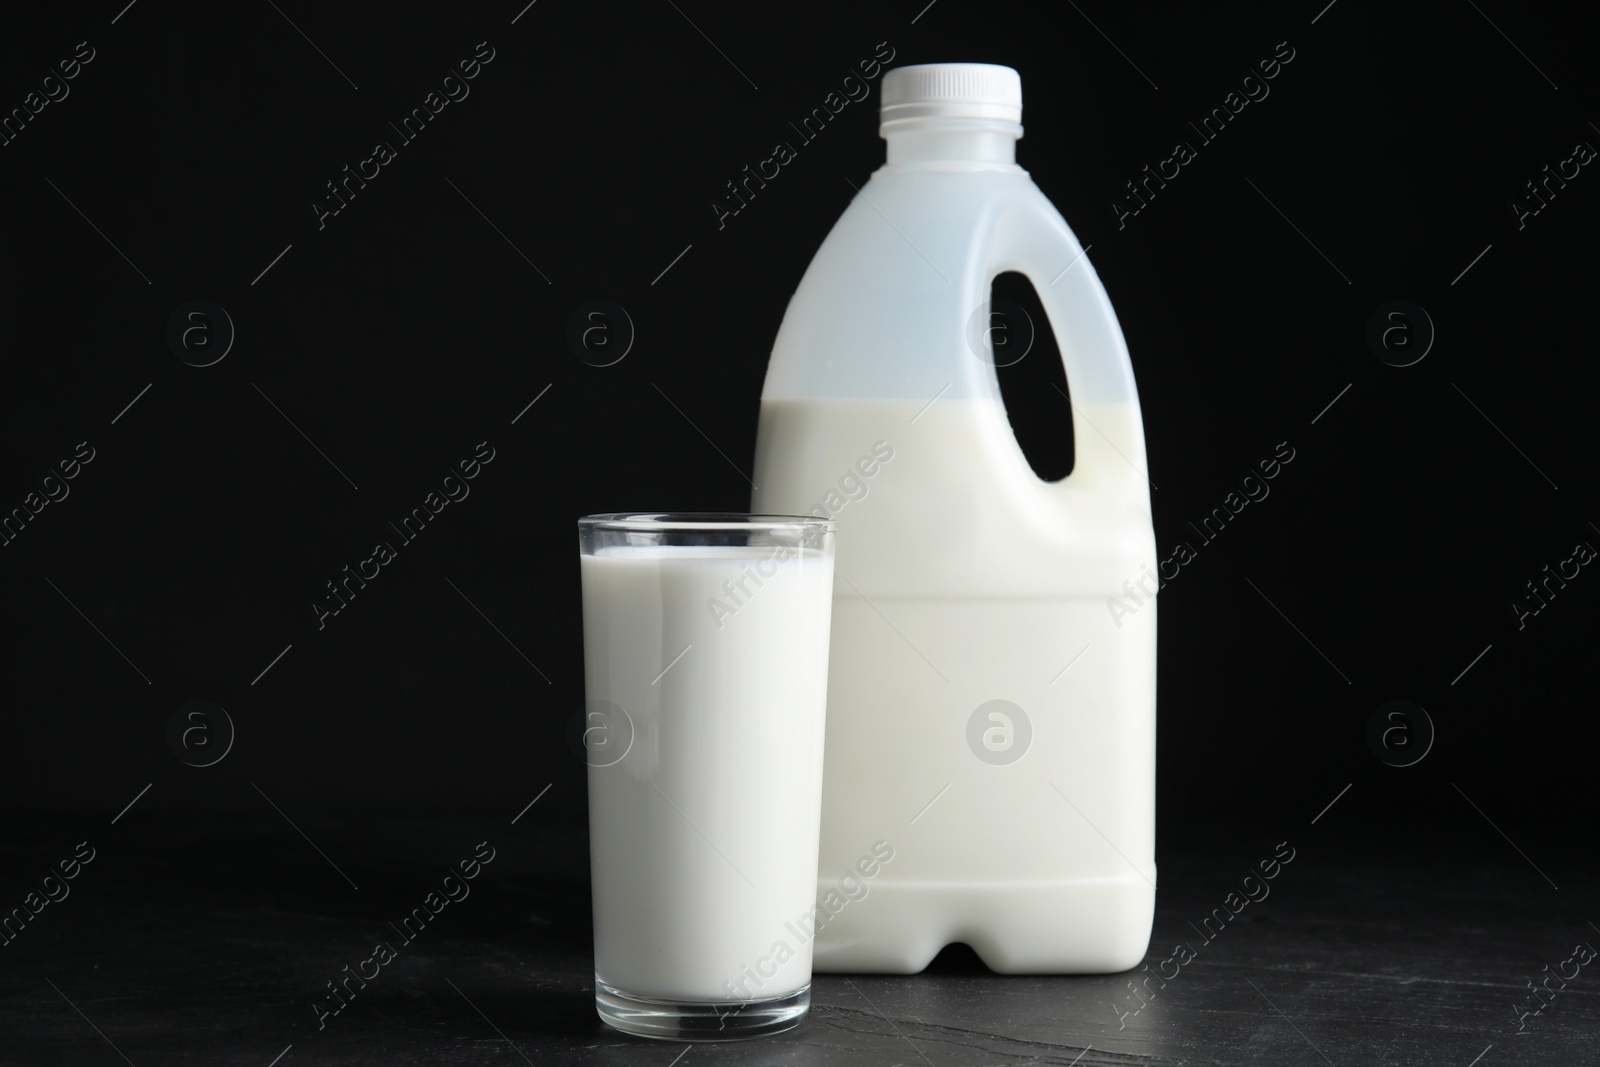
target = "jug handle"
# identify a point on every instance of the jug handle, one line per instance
(1031, 238)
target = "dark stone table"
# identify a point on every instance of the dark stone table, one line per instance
(211, 942)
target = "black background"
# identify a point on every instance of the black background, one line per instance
(408, 329)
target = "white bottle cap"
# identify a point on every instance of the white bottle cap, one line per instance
(951, 91)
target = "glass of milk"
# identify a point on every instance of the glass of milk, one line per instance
(706, 665)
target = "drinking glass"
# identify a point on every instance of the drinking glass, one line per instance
(706, 667)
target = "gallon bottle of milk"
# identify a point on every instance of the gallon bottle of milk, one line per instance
(989, 773)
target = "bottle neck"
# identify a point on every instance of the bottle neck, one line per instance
(952, 143)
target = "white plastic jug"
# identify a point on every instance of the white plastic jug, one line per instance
(991, 717)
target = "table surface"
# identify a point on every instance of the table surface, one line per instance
(208, 941)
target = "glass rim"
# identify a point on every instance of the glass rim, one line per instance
(701, 520)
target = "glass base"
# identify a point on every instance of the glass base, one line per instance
(697, 1021)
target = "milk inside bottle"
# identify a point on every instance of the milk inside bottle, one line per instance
(989, 716)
